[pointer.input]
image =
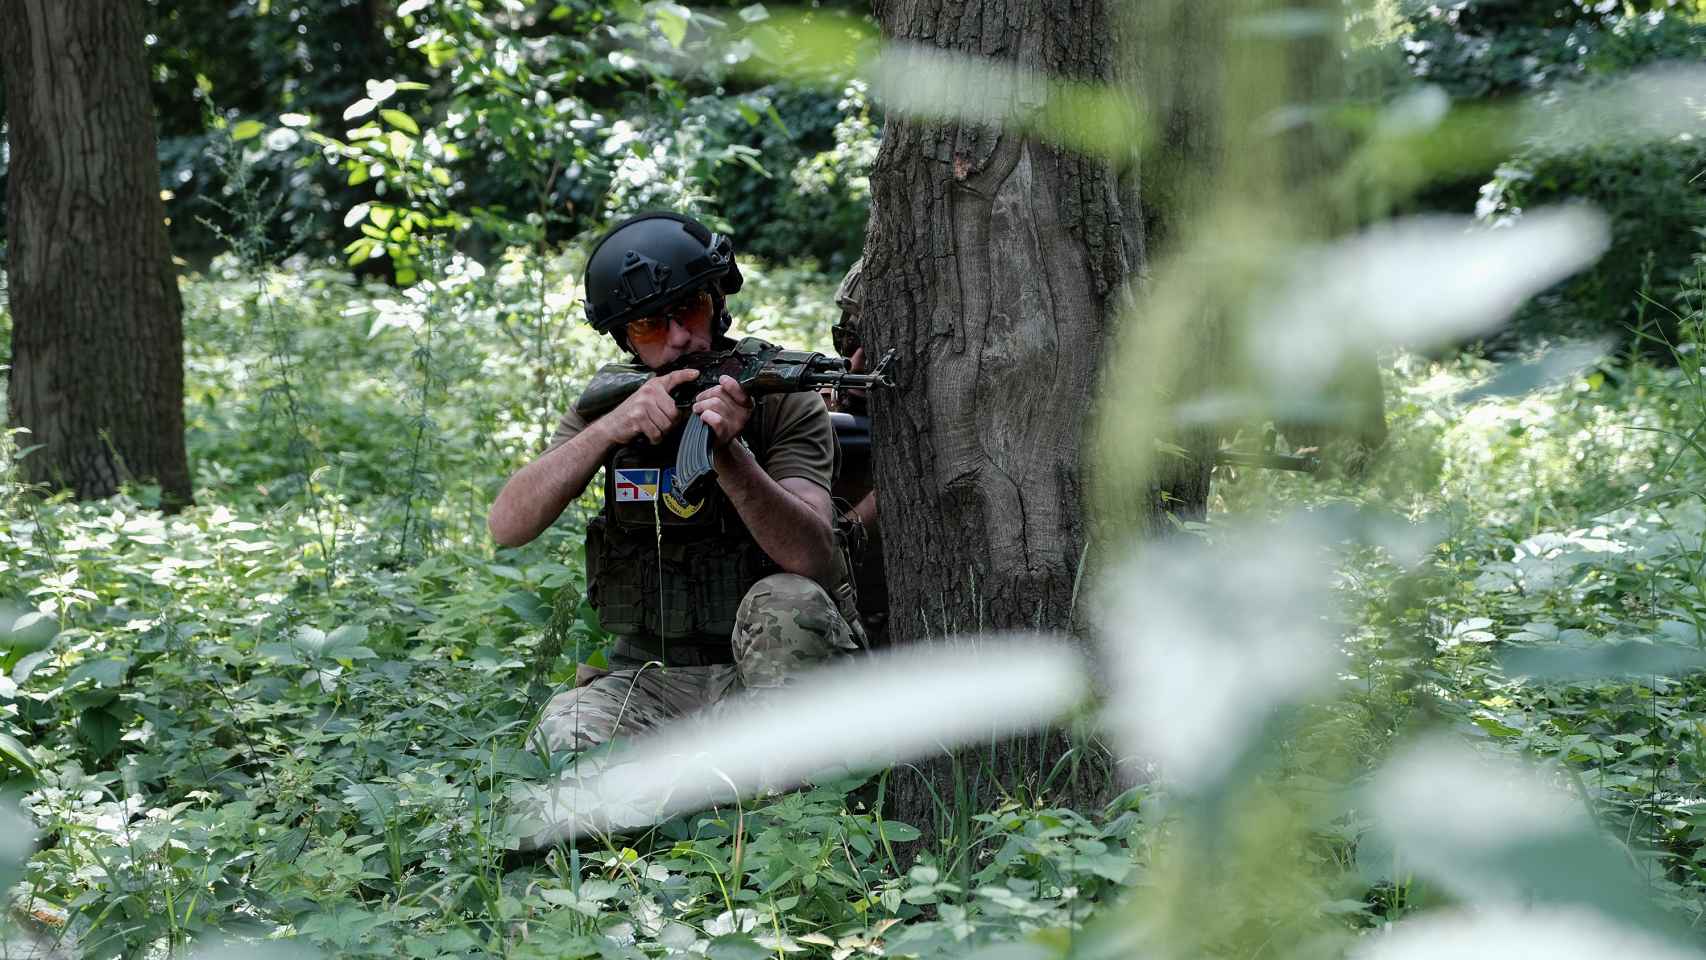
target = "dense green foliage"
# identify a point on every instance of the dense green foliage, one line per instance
(542, 125)
(1494, 52)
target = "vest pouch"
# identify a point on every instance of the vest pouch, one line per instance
(617, 580)
(675, 601)
(726, 570)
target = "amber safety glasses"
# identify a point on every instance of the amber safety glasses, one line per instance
(692, 313)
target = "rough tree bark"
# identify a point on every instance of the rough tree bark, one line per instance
(97, 337)
(994, 265)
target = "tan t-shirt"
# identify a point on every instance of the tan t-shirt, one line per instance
(801, 441)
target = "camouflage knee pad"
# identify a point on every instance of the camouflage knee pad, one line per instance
(786, 623)
(628, 702)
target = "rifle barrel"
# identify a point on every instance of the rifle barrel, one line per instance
(1267, 461)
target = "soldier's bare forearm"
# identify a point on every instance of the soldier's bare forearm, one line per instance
(788, 522)
(537, 494)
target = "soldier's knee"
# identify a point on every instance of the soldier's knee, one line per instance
(575, 720)
(786, 621)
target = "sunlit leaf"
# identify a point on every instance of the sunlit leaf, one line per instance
(401, 121)
(672, 20)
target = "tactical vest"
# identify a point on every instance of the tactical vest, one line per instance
(659, 566)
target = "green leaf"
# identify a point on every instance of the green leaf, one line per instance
(401, 121)
(247, 130)
(599, 890)
(1496, 728)
(99, 729)
(896, 832)
(735, 946)
(347, 637)
(106, 672)
(381, 216)
(11, 748)
(282, 652)
(528, 607)
(672, 21)
(32, 630)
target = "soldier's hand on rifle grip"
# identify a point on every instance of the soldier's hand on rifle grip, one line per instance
(725, 409)
(651, 412)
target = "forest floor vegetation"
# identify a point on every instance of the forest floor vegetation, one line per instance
(296, 709)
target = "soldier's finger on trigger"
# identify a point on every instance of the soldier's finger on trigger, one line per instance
(734, 391)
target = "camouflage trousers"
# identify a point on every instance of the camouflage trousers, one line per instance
(786, 623)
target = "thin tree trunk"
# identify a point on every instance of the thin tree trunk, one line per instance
(97, 338)
(995, 266)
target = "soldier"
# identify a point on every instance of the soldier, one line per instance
(705, 595)
(855, 489)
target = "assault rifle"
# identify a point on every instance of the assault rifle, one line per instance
(759, 368)
(1267, 461)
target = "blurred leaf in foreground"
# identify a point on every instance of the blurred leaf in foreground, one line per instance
(1414, 283)
(860, 714)
(1551, 366)
(923, 81)
(1596, 660)
(1496, 833)
(1206, 640)
(1506, 933)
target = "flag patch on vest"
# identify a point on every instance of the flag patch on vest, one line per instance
(632, 485)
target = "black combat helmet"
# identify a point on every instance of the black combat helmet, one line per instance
(650, 261)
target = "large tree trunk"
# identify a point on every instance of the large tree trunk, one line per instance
(995, 266)
(97, 335)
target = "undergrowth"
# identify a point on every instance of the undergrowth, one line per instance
(300, 708)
